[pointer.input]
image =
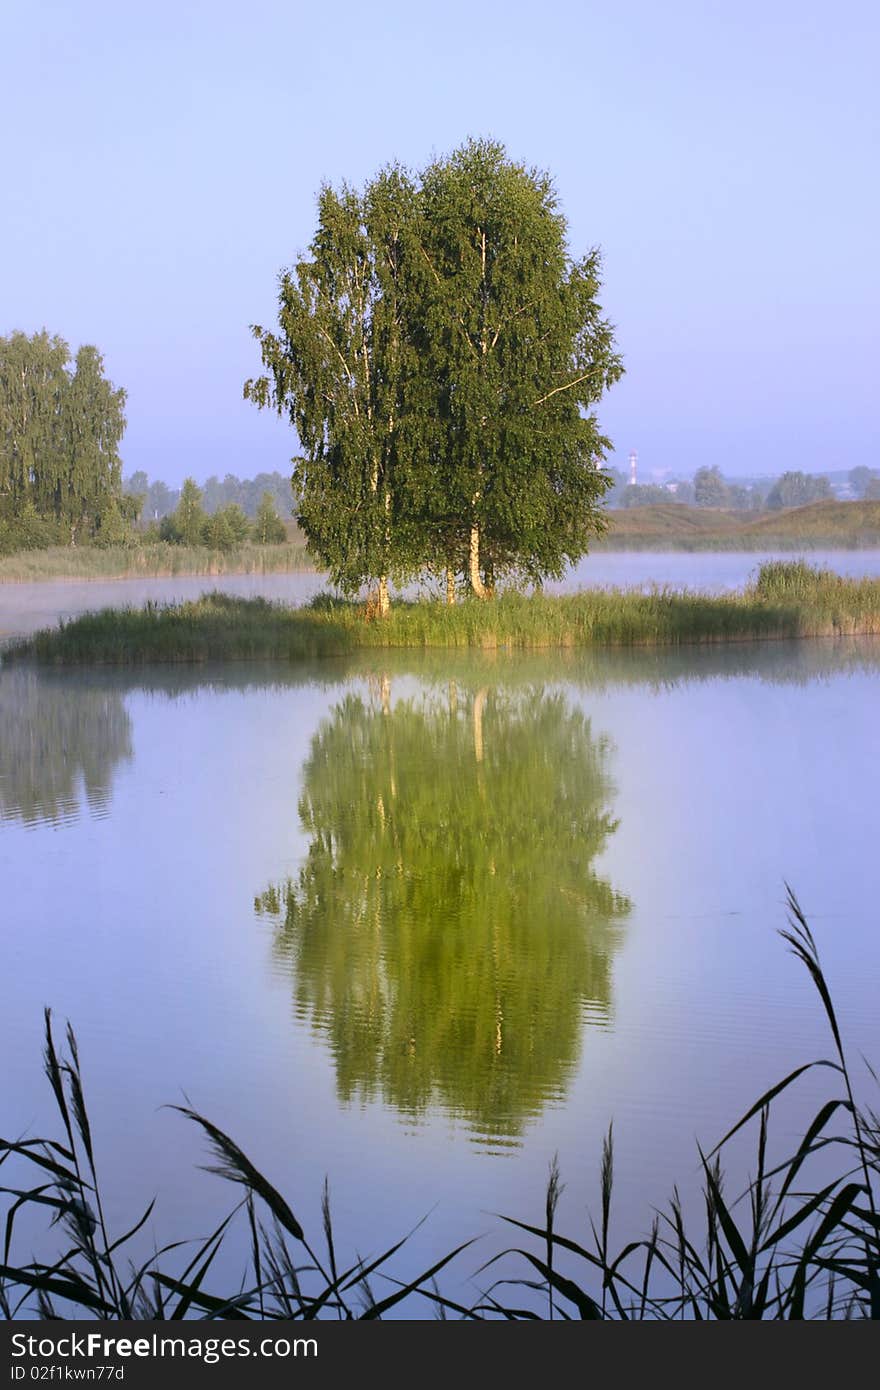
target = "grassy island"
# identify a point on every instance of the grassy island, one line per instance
(788, 599)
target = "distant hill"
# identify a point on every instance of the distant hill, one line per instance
(821, 524)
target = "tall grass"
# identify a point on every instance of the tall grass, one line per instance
(157, 559)
(786, 1248)
(787, 600)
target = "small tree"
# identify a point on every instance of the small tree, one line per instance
(268, 528)
(237, 522)
(113, 529)
(860, 479)
(795, 489)
(217, 533)
(189, 518)
(710, 489)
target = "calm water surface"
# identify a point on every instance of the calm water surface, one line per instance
(419, 924)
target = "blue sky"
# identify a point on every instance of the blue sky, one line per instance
(161, 163)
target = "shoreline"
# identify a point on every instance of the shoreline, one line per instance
(299, 564)
(160, 561)
(787, 600)
(660, 528)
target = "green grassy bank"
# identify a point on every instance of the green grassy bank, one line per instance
(150, 561)
(788, 599)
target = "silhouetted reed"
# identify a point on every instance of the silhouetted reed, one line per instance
(791, 1246)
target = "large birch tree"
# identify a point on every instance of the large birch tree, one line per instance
(439, 353)
(511, 332)
(339, 368)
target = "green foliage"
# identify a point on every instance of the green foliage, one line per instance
(339, 369)
(439, 354)
(796, 489)
(29, 531)
(227, 529)
(710, 489)
(113, 529)
(216, 532)
(268, 528)
(60, 431)
(515, 353)
(187, 522)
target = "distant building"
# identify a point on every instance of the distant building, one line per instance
(633, 468)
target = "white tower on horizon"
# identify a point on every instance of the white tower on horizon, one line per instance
(633, 467)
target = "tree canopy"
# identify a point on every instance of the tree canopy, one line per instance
(439, 352)
(796, 489)
(61, 424)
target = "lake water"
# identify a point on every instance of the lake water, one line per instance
(420, 923)
(25, 608)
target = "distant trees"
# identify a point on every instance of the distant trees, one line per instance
(61, 424)
(710, 489)
(646, 495)
(438, 352)
(795, 489)
(865, 482)
(225, 528)
(158, 500)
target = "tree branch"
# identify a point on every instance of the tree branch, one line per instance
(567, 387)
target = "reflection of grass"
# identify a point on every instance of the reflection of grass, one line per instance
(821, 525)
(156, 559)
(793, 1246)
(787, 600)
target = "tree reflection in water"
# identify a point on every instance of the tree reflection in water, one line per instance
(448, 928)
(60, 744)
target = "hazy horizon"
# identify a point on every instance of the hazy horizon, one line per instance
(169, 161)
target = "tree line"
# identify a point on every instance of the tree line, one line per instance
(439, 352)
(61, 424)
(710, 488)
(223, 529)
(158, 500)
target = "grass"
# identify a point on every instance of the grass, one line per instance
(828, 525)
(794, 1245)
(787, 600)
(150, 561)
